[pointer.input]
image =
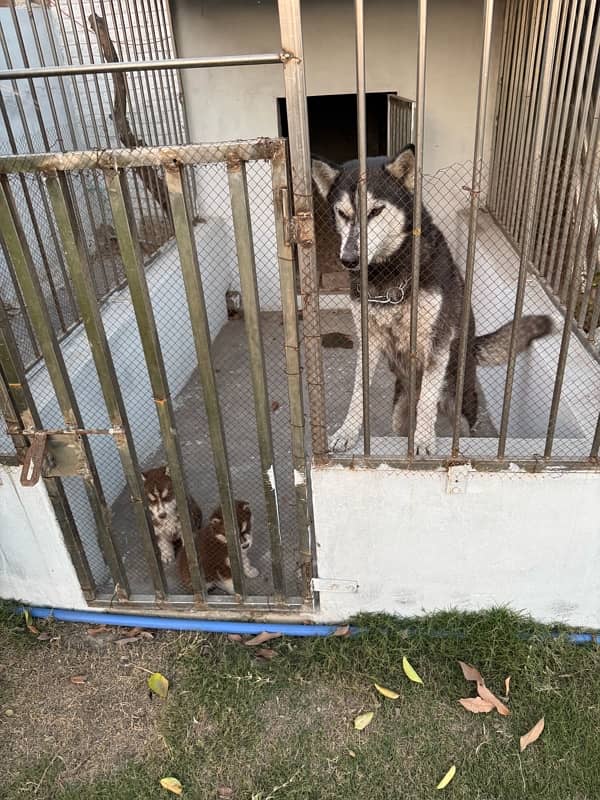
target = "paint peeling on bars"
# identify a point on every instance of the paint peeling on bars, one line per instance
(192, 280)
(242, 226)
(118, 195)
(488, 16)
(531, 195)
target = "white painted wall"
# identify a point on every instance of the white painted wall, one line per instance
(530, 541)
(34, 564)
(240, 103)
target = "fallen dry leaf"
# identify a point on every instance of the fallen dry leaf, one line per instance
(351, 753)
(507, 686)
(224, 792)
(29, 622)
(532, 735)
(127, 640)
(447, 778)
(135, 632)
(471, 673)
(43, 637)
(409, 671)
(234, 637)
(78, 680)
(476, 704)
(266, 653)
(485, 694)
(146, 635)
(361, 722)
(386, 692)
(96, 631)
(344, 630)
(262, 638)
(171, 785)
(158, 684)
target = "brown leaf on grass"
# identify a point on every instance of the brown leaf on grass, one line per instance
(343, 630)
(146, 635)
(485, 694)
(32, 629)
(476, 705)
(135, 632)
(128, 640)
(224, 792)
(78, 680)
(532, 735)
(507, 687)
(266, 653)
(471, 673)
(98, 630)
(262, 638)
(234, 637)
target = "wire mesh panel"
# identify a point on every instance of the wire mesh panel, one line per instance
(186, 367)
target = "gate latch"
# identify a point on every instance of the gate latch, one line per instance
(300, 229)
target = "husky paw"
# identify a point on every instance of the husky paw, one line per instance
(425, 444)
(251, 572)
(343, 440)
(167, 553)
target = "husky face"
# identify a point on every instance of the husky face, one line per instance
(390, 186)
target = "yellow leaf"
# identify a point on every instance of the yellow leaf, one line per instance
(386, 692)
(447, 778)
(532, 735)
(158, 684)
(171, 784)
(409, 671)
(361, 722)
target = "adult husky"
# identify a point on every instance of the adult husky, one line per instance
(390, 186)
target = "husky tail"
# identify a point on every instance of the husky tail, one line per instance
(492, 349)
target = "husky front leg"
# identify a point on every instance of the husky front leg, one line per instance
(345, 438)
(434, 374)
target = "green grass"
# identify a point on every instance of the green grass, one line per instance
(283, 729)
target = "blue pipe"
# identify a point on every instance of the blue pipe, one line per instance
(180, 623)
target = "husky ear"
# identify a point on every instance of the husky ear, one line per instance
(402, 167)
(324, 174)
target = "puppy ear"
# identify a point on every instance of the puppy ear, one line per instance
(324, 174)
(402, 167)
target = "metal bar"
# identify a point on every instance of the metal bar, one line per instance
(589, 278)
(123, 219)
(295, 94)
(531, 194)
(417, 214)
(574, 147)
(595, 318)
(361, 120)
(287, 282)
(590, 179)
(16, 244)
(21, 302)
(79, 268)
(501, 93)
(19, 409)
(596, 441)
(466, 315)
(192, 280)
(252, 150)
(240, 211)
(142, 66)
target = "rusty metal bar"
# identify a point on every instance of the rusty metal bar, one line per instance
(240, 210)
(123, 219)
(466, 315)
(417, 215)
(589, 189)
(295, 94)
(501, 95)
(79, 268)
(287, 281)
(531, 194)
(192, 280)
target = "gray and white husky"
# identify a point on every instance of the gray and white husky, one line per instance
(390, 187)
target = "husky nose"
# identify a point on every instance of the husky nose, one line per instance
(351, 264)
(162, 515)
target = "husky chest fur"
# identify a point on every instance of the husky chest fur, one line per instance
(390, 186)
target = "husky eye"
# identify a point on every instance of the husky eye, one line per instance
(343, 215)
(375, 212)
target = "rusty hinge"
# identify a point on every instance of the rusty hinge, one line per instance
(299, 228)
(57, 453)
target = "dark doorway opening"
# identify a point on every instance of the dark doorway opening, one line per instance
(333, 135)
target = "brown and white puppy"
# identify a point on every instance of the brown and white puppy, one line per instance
(211, 543)
(163, 508)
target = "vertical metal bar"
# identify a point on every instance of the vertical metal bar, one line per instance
(295, 94)
(20, 411)
(192, 280)
(16, 245)
(79, 267)
(589, 189)
(287, 282)
(21, 302)
(123, 218)
(589, 278)
(501, 94)
(595, 318)
(240, 210)
(596, 440)
(361, 119)
(531, 194)
(389, 126)
(417, 214)
(488, 16)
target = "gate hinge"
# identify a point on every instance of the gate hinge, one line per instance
(334, 585)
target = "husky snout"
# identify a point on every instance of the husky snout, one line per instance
(349, 249)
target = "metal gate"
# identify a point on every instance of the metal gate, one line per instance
(247, 184)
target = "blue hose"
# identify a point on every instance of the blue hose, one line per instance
(180, 623)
